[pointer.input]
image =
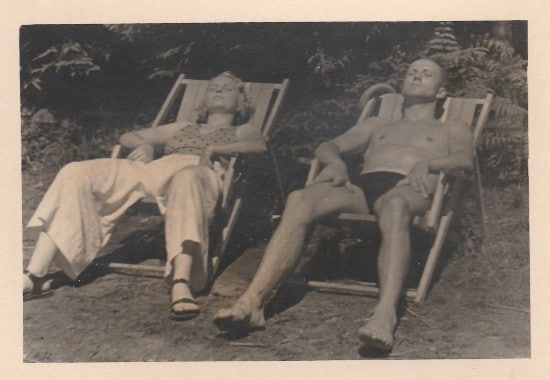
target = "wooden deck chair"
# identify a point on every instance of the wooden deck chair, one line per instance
(438, 218)
(266, 99)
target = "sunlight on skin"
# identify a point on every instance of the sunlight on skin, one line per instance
(418, 147)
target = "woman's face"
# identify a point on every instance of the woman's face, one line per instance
(222, 95)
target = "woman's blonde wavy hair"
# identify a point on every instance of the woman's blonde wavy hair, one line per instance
(244, 110)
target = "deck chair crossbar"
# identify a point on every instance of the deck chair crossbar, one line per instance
(267, 99)
(438, 218)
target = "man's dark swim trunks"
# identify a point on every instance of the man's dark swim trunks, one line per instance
(375, 184)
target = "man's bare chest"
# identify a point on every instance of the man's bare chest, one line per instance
(415, 135)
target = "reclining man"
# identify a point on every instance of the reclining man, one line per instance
(399, 173)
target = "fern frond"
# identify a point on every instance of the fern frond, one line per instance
(504, 108)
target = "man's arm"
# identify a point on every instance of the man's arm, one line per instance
(352, 140)
(460, 158)
(330, 153)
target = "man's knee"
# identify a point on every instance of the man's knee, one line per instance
(393, 213)
(299, 208)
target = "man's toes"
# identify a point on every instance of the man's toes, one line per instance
(225, 320)
(372, 338)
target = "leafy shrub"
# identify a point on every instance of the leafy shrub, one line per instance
(487, 64)
(49, 142)
(490, 64)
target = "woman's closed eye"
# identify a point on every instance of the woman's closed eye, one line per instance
(216, 89)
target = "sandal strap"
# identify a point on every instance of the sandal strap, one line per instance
(180, 281)
(37, 282)
(184, 300)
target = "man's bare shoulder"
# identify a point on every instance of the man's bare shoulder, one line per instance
(373, 122)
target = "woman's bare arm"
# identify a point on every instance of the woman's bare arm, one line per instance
(153, 135)
(249, 141)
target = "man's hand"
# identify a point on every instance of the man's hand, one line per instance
(336, 174)
(418, 178)
(143, 153)
(206, 157)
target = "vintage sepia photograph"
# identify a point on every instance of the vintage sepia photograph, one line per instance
(275, 191)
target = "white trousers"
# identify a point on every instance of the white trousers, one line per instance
(82, 205)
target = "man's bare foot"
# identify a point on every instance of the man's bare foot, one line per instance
(378, 332)
(184, 305)
(240, 318)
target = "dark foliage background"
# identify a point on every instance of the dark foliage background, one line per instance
(83, 85)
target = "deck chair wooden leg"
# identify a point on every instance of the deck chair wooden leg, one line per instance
(358, 288)
(280, 189)
(156, 270)
(433, 256)
(226, 234)
(479, 195)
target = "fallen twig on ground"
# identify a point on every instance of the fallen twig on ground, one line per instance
(398, 354)
(246, 344)
(508, 307)
(417, 316)
(290, 338)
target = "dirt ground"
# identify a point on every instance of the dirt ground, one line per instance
(478, 306)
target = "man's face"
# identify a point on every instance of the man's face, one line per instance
(424, 79)
(222, 95)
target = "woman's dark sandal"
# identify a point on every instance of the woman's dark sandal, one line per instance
(37, 284)
(183, 315)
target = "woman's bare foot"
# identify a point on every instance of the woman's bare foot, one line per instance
(243, 316)
(378, 332)
(184, 305)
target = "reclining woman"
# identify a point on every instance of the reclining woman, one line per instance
(80, 209)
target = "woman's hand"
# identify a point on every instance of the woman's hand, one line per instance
(206, 157)
(143, 153)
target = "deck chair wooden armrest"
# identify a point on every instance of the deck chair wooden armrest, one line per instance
(116, 151)
(227, 183)
(304, 160)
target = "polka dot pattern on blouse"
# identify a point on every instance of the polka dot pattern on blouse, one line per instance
(191, 141)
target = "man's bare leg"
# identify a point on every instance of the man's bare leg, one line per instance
(395, 211)
(284, 249)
